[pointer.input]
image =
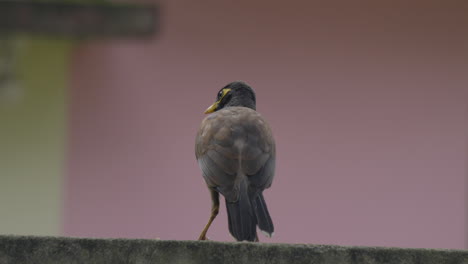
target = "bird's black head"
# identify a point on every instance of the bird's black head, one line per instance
(233, 94)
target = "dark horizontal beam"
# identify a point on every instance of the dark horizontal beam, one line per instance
(77, 19)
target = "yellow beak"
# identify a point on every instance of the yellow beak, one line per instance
(213, 107)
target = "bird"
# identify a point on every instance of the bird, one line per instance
(236, 152)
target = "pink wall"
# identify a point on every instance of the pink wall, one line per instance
(368, 103)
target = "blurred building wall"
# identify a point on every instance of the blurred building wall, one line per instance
(32, 134)
(367, 101)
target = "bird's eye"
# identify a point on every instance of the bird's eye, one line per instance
(220, 94)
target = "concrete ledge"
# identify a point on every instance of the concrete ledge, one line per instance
(22, 249)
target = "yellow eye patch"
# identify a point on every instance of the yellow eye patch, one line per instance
(225, 91)
(213, 107)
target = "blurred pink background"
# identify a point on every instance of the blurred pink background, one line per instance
(367, 101)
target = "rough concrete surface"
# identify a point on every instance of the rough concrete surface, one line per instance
(27, 249)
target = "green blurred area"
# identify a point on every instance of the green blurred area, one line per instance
(32, 133)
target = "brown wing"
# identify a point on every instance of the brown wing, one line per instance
(235, 142)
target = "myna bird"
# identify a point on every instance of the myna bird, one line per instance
(236, 153)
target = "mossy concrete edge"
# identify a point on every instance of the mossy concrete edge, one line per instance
(30, 249)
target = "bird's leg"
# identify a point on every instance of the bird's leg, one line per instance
(214, 213)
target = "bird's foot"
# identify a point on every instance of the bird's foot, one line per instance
(203, 238)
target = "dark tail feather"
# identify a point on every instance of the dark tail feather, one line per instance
(263, 217)
(241, 217)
